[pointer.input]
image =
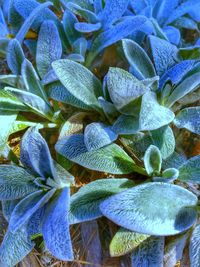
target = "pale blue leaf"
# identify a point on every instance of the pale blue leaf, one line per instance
(84, 205)
(111, 159)
(50, 77)
(185, 22)
(115, 34)
(87, 27)
(164, 54)
(76, 57)
(149, 253)
(79, 81)
(152, 114)
(173, 34)
(175, 160)
(60, 93)
(123, 89)
(149, 209)
(138, 59)
(126, 125)
(55, 227)
(69, 20)
(15, 56)
(35, 154)
(113, 10)
(194, 249)
(188, 85)
(97, 135)
(108, 108)
(177, 72)
(188, 118)
(15, 182)
(49, 47)
(8, 207)
(32, 81)
(190, 170)
(30, 19)
(27, 207)
(98, 6)
(152, 160)
(15, 247)
(80, 46)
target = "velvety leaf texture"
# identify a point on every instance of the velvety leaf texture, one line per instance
(125, 241)
(15, 56)
(79, 81)
(152, 160)
(84, 205)
(15, 182)
(149, 209)
(98, 135)
(111, 158)
(195, 247)
(188, 118)
(35, 154)
(190, 170)
(138, 59)
(27, 207)
(55, 227)
(15, 247)
(150, 253)
(49, 47)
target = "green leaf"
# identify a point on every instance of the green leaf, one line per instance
(152, 114)
(195, 247)
(152, 160)
(9, 102)
(188, 118)
(79, 81)
(188, 85)
(138, 59)
(151, 209)
(149, 253)
(85, 203)
(12, 80)
(124, 89)
(111, 159)
(190, 170)
(124, 241)
(15, 182)
(170, 173)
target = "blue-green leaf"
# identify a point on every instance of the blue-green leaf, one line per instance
(152, 160)
(149, 209)
(190, 170)
(195, 247)
(188, 118)
(85, 203)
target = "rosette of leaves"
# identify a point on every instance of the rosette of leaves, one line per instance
(35, 199)
(168, 18)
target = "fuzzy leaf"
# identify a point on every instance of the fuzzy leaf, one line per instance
(149, 209)
(79, 81)
(85, 203)
(49, 47)
(27, 207)
(55, 227)
(10, 102)
(152, 114)
(30, 19)
(152, 160)
(87, 27)
(124, 88)
(190, 170)
(113, 11)
(32, 81)
(150, 253)
(15, 182)
(195, 247)
(69, 20)
(138, 59)
(35, 154)
(188, 118)
(185, 87)
(111, 159)
(15, 247)
(116, 33)
(164, 54)
(15, 56)
(98, 135)
(124, 241)
(126, 125)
